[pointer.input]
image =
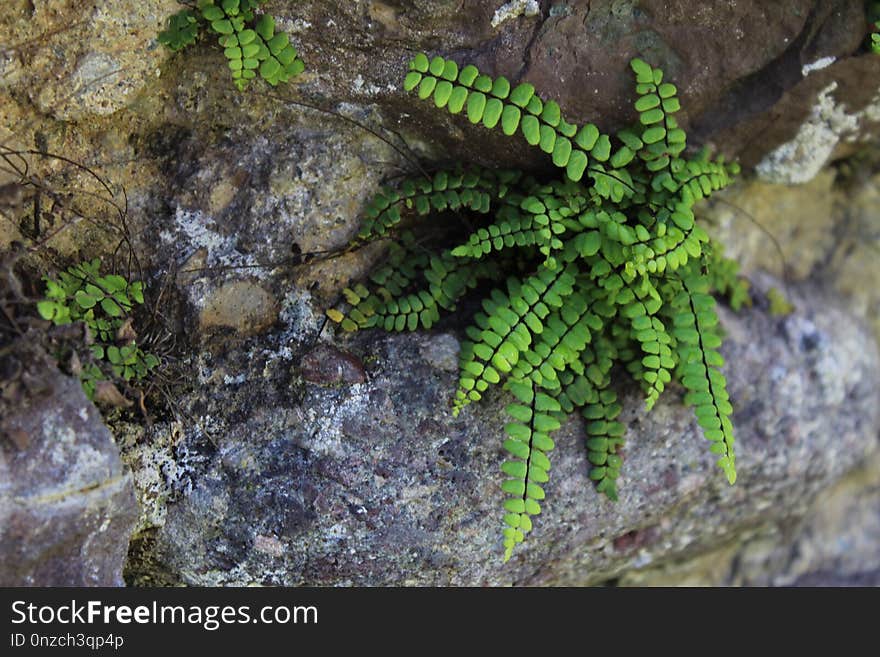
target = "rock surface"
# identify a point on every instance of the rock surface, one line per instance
(101, 54)
(376, 483)
(755, 77)
(785, 230)
(833, 544)
(252, 178)
(852, 265)
(280, 463)
(67, 507)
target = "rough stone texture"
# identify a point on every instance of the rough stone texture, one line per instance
(376, 483)
(242, 306)
(733, 62)
(264, 476)
(67, 508)
(833, 544)
(283, 196)
(827, 230)
(252, 179)
(786, 230)
(101, 53)
(828, 126)
(751, 73)
(326, 365)
(853, 264)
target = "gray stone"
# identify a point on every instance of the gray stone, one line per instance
(67, 506)
(377, 483)
(833, 544)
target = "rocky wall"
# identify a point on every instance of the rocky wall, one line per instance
(281, 453)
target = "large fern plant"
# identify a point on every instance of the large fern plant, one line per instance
(603, 266)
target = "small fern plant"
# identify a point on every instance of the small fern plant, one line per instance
(604, 265)
(250, 43)
(104, 303)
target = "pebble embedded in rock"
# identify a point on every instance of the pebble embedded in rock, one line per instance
(242, 306)
(328, 366)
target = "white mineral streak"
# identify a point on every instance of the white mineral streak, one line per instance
(514, 9)
(799, 160)
(818, 65)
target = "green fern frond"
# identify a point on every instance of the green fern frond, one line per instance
(536, 416)
(505, 331)
(250, 43)
(600, 411)
(491, 102)
(589, 391)
(474, 189)
(656, 360)
(565, 335)
(181, 31)
(447, 278)
(699, 368)
(873, 16)
(661, 137)
(104, 303)
(541, 219)
(513, 229)
(603, 265)
(411, 293)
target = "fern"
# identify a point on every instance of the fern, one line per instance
(250, 44)
(103, 304)
(182, 30)
(699, 363)
(605, 265)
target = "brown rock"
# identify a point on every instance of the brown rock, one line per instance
(581, 56)
(739, 67)
(327, 366)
